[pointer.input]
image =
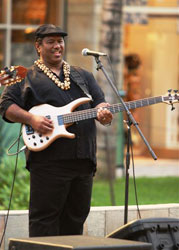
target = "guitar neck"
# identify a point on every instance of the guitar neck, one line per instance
(115, 108)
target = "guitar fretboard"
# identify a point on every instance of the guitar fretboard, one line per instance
(115, 108)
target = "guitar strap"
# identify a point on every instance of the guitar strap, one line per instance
(76, 75)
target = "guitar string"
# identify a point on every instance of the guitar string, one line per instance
(92, 113)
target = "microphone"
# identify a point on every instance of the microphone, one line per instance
(87, 52)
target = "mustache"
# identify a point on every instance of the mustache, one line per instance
(57, 50)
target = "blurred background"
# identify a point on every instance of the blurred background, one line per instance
(141, 38)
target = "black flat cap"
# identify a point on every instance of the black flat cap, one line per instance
(49, 29)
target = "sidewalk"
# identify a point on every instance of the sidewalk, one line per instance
(150, 168)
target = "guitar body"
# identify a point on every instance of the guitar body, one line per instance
(37, 142)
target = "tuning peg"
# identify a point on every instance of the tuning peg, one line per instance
(10, 71)
(169, 90)
(172, 108)
(176, 91)
(6, 82)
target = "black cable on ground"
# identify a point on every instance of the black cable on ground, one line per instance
(12, 189)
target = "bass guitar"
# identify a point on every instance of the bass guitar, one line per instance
(63, 117)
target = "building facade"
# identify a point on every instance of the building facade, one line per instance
(150, 35)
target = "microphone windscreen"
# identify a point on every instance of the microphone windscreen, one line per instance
(84, 52)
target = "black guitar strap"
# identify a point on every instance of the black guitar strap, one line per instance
(76, 75)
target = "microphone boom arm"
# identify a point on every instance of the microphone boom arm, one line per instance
(100, 66)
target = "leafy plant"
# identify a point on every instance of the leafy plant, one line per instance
(20, 196)
(9, 132)
(1, 139)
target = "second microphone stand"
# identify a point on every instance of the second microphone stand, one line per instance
(130, 121)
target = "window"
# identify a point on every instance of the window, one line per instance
(18, 20)
(3, 5)
(2, 47)
(162, 3)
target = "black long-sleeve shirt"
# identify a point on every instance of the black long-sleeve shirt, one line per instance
(37, 89)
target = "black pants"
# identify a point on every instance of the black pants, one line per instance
(59, 200)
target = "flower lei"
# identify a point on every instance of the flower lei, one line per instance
(66, 70)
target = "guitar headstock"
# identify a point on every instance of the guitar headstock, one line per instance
(171, 98)
(12, 75)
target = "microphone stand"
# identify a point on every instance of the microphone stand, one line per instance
(130, 121)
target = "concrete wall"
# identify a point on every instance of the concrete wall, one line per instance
(100, 222)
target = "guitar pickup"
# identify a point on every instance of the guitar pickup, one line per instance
(60, 120)
(29, 130)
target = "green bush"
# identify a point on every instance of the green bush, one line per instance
(1, 139)
(20, 196)
(9, 132)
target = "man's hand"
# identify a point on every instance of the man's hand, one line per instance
(104, 116)
(41, 124)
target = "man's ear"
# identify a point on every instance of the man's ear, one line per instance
(37, 46)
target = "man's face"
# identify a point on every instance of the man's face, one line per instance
(51, 49)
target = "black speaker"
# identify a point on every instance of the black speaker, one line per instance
(163, 233)
(76, 242)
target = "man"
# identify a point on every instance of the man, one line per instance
(60, 175)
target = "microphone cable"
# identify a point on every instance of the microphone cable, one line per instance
(18, 151)
(12, 189)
